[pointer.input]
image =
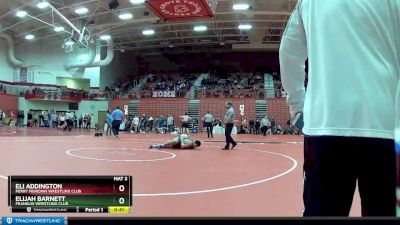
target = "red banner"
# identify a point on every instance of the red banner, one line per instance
(182, 9)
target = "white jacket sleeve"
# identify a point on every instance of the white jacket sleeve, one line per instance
(292, 57)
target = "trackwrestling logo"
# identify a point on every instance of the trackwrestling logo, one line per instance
(33, 220)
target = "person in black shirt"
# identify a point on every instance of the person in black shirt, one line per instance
(273, 125)
(2, 117)
(41, 124)
(252, 126)
(20, 118)
(29, 124)
(257, 126)
(217, 122)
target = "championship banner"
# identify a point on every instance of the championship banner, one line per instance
(241, 110)
(182, 9)
(23, 74)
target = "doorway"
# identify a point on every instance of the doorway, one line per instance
(102, 119)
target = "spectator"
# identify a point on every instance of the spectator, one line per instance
(273, 125)
(75, 119)
(89, 120)
(68, 121)
(150, 122)
(156, 123)
(53, 118)
(29, 122)
(185, 123)
(41, 119)
(2, 117)
(84, 121)
(208, 121)
(257, 126)
(265, 126)
(143, 122)
(62, 124)
(135, 124)
(161, 122)
(252, 126)
(109, 119)
(80, 121)
(170, 123)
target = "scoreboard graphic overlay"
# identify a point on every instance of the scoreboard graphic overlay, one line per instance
(70, 194)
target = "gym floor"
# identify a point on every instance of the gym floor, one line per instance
(262, 177)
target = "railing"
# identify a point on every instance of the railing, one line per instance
(154, 94)
(51, 92)
(55, 95)
(198, 94)
(207, 92)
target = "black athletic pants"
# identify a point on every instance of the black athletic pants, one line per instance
(228, 137)
(264, 130)
(115, 126)
(209, 127)
(68, 125)
(333, 165)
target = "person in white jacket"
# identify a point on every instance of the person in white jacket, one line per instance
(353, 51)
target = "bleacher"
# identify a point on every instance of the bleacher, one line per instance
(269, 85)
(237, 85)
(177, 83)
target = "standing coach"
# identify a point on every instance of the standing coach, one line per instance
(353, 50)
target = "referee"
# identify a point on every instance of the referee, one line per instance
(228, 121)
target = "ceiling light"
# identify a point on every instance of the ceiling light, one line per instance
(245, 26)
(21, 14)
(148, 32)
(125, 16)
(81, 10)
(29, 37)
(42, 5)
(58, 29)
(200, 28)
(241, 6)
(137, 1)
(105, 37)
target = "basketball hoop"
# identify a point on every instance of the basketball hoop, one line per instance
(85, 37)
(68, 45)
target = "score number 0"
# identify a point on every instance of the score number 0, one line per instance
(121, 200)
